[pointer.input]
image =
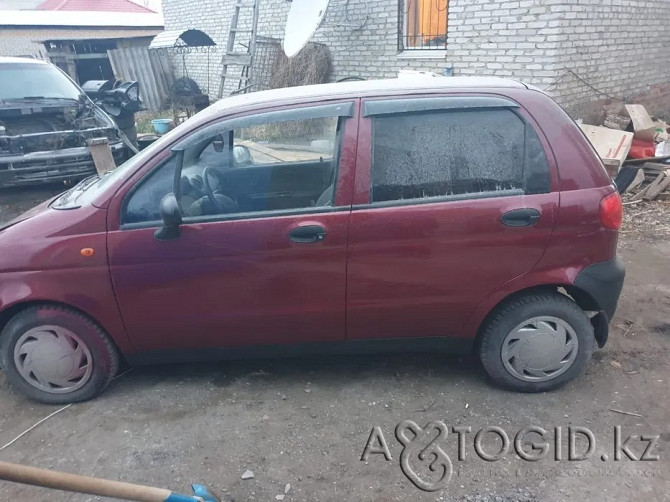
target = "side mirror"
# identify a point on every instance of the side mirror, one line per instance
(171, 215)
(242, 155)
(218, 143)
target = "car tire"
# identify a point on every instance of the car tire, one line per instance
(536, 342)
(56, 355)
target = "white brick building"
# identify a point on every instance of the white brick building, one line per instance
(581, 50)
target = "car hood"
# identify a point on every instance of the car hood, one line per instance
(34, 211)
(22, 103)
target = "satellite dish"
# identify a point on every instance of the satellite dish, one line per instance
(304, 18)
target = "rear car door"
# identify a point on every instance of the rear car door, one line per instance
(453, 198)
(261, 255)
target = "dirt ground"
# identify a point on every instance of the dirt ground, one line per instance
(305, 423)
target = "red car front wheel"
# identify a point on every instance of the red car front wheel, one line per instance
(56, 355)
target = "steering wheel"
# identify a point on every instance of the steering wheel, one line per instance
(210, 193)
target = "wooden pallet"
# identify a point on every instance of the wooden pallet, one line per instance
(658, 178)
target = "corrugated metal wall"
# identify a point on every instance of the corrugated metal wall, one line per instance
(151, 69)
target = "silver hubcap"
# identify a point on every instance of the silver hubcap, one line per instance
(540, 349)
(53, 359)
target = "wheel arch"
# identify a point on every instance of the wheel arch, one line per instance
(583, 299)
(10, 312)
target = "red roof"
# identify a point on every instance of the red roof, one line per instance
(95, 5)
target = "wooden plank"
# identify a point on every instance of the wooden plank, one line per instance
(234, 77)
(241, 59)
(102, 154)
(655, 169)
(661, 183)
(637, 181)
(640, 117)
(640, 195)
(90, 55)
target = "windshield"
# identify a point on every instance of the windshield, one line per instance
(30, 80)
(86, 190)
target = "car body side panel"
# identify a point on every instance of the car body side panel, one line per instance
(232, 283)
(421, 270)
(578, 239)
(235, 282)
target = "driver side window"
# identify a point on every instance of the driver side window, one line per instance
(273, 166)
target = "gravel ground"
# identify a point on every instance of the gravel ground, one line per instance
(305, 423)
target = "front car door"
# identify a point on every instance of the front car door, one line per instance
(261, 255)
(453, 198)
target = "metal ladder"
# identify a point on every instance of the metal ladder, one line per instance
(243, 60)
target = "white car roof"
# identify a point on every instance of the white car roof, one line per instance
(362, 88)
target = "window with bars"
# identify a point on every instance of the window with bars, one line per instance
(422, 24)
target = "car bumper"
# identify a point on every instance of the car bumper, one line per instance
(603, 283)
(52, 166)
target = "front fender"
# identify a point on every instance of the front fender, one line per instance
(91, 294)
(41, 260)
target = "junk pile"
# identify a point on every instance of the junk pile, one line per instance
(635, 149)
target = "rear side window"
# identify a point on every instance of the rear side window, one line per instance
(483, 152)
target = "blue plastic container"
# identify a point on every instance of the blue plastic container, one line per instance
(161, 126)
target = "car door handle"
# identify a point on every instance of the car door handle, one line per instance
(307, 234)
(526, 217)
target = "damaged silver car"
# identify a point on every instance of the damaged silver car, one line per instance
(45, 121)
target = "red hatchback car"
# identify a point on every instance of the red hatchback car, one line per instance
(405, 215)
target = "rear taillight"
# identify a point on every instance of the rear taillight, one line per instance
(611, 211)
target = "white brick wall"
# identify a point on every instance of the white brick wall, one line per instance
(621, 47)
(19, 42)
